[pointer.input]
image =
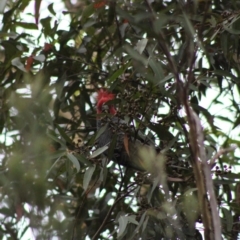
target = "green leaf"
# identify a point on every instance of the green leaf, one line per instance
(132, 219)
(40, 81)
(145, 224)
(190, 207)
(98, 152)
(165, 79)
(141, 45)
(136, 55)
(125, 14)
(226, 74)
(2, 5)
(41, 58)
(88, 177)
(237, 122)
(101, 131)
(226, 119)
(171, 143)
(54, 164)
(46, 23)
(141, 222)
(89, 23)
(23, 231)
(57, 154)
(11, 52)
(161, 131)
(8, 16)
(159, 23)
(16, 62)
(83, 159)
(59, 86)
(26, 25)
(157, 69)
(188, 25)
(53, 136)
(119, 72)
(51, 10)
(123, 221)
(112, 146)
(87, 12)
(142, 16)
(74, 160)
(224, 181)
(233, 176)
(229, 219)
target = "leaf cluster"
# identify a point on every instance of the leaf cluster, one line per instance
(156, 57)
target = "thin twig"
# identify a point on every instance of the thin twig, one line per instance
(112, 207)
(162, 43)
(80, 207)
(219, 153)
(109, 213)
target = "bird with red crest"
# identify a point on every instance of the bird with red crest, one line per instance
(122, 148)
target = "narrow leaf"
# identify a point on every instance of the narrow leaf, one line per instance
(74, 160)
(82, 159)
(52, 135)
(99, 151)
(63, 134)
(2, 5)
(136, 55)
(141, 45)
(54, 164)
(17, 63)
(145, 224)
(40, 58)
(229, 219)
(26, 25)
(119, 72)
(123, 221)
(101, 131)
(132, 219)
(141, 221)
(88, 176)
(51, 10)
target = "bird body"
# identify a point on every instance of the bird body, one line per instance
(125, 147)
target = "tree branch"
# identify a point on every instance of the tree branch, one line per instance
(219, 153)
(111, 208)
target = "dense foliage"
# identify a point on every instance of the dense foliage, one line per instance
(171, 65)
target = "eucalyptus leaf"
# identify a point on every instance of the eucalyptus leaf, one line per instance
(98, 151)
(88, 177)
(123, 221)
(74, 160)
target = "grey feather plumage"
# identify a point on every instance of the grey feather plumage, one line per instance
(120, 155)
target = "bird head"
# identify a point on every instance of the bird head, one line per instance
(103, 97)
